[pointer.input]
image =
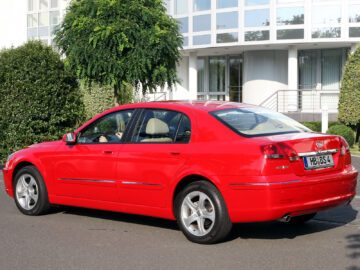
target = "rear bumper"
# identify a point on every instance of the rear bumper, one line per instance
(269, 198)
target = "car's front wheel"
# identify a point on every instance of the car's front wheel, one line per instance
(202, 214)
(30, 192)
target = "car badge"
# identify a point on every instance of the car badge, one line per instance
(319, 145)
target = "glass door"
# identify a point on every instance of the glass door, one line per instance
(235, 78)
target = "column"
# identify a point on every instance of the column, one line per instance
(292, 78)
(193, 76)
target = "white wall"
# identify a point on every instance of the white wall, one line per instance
(180, 91)
(12, 23)
(265, 72)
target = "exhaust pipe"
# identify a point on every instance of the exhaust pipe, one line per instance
(285, 218)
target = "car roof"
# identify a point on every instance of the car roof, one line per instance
(191, 104)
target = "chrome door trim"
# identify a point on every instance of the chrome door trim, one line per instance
(138, 183)
(87, 180)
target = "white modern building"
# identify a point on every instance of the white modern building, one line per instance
(287, 55)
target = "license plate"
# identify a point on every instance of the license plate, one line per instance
(316, 162)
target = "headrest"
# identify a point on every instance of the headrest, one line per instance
(156, 126)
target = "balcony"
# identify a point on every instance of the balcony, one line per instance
(304, 104)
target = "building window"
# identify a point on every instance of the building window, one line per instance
(257, 17)
(257, 35)
(256, 2)
(227, 37)
(330, 32)
(32, 20)
(217, 71)
(354, 13)
(202, 23)
(354, 32)
(33, 5)
(201, 40)
(43, 4)
(186, 41)
(54, 17)
(201, 74)
(307, 69)
(290, 34)
(227, 3)
(44, 19)
(227, 20)
(184, 24)
(202, 5)
(331, 68)
(181, 6)
(289, 16)
(326, 14)
(54, 4)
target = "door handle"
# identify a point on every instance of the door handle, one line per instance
(175, 153)
(108, 152)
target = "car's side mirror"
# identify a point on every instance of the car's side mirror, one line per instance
(69, 138)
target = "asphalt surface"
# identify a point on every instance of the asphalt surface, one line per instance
(74, 238)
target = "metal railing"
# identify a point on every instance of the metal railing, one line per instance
(304, 100)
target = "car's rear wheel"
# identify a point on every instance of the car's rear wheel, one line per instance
(201, 213)
(30, 192)
(302, 219)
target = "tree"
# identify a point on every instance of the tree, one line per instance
(40, 101)
(121, 43)
(349, 101)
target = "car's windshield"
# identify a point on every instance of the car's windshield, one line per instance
(258, 121)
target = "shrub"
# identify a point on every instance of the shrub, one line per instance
(344, 131)
(97, 99)
(316, 125)
(40, 100)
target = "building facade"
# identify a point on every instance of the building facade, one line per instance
(287, 55)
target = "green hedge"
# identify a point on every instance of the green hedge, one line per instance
(39, 99)
(344, 131)
(97, 99)
(316, 125)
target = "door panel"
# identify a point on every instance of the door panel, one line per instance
(158, 149)
(88, 168)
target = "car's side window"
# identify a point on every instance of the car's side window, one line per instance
(107, 129)
(184, 131)
(160, 126)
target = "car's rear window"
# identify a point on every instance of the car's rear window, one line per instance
(258, 122)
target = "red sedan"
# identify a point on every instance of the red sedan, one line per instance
(205, 164)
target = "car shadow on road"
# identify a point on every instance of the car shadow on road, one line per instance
(323, 221)
(116, 216)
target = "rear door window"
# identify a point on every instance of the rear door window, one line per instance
(162, 126)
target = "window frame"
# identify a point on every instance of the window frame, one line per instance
(130, 136)
(125, 134)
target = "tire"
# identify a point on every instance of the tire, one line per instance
(302, 219)
(30, 192)
(201, 213)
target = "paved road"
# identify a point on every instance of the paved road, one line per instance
(73, 238)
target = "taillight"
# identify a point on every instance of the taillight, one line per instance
(345, 151)
(279, 151)
(344, 147)
(272, 151)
